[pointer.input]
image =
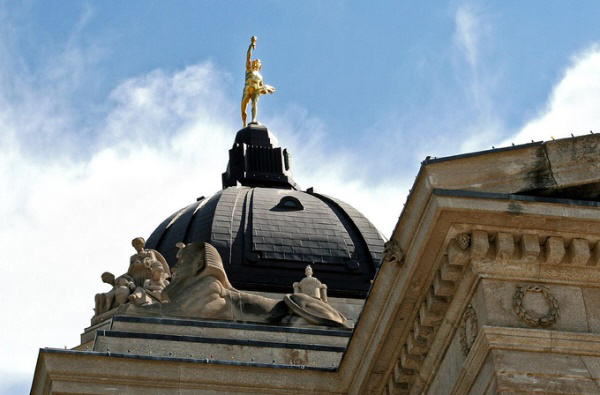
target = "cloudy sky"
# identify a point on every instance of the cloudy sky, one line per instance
(115, 114)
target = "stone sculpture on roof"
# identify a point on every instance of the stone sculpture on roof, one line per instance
(309, 301)
(140, 263)
(201, 289)
(122, 288)
(143, 283)
(153, 289)
(311, 286)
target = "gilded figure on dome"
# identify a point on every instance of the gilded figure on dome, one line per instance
(254, 85)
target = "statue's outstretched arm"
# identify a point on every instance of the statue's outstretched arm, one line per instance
(249, 53)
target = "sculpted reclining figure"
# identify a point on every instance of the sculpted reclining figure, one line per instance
(122, 287)
(200, 289)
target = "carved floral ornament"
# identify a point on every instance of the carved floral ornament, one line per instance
(464, 241)
(529, 317)
(468, 329)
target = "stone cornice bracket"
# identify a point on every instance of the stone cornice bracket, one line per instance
(526, 248)
(393, 253)
(534, 257)
(432, 310)
(466, 246)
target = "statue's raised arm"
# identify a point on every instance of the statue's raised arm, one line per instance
(254, 85)
(251, 47)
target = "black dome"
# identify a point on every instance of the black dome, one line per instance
(267, 231)
(265, 245)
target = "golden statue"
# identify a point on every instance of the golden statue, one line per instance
(254, 85)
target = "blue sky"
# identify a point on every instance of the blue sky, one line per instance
(369, 72)
(115, 114)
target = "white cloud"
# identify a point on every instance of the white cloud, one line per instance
(472, 35)
(573, 106)
(67, 220)
(162, 143)
(466, 34)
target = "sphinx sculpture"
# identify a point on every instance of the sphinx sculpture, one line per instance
(199, 288)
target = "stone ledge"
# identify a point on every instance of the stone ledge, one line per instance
(178, 359)
(68, 371)
(231, 325)
(518, 339)
(212, 340)
(512, 196)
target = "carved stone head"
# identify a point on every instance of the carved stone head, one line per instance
(138, 243)
(196, 261)
(157, 270)
(308, 271)
(108, 277)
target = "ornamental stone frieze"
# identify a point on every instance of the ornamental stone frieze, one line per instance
(485, 259)
(525, 247)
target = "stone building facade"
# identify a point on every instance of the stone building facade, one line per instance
(489, 284)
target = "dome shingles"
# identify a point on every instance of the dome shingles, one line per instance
(372, 237)
(308, 236)
(265, 247)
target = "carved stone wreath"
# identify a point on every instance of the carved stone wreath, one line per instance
(527, 316)
(468, 329)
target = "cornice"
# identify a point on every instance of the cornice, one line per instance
(430, 277)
